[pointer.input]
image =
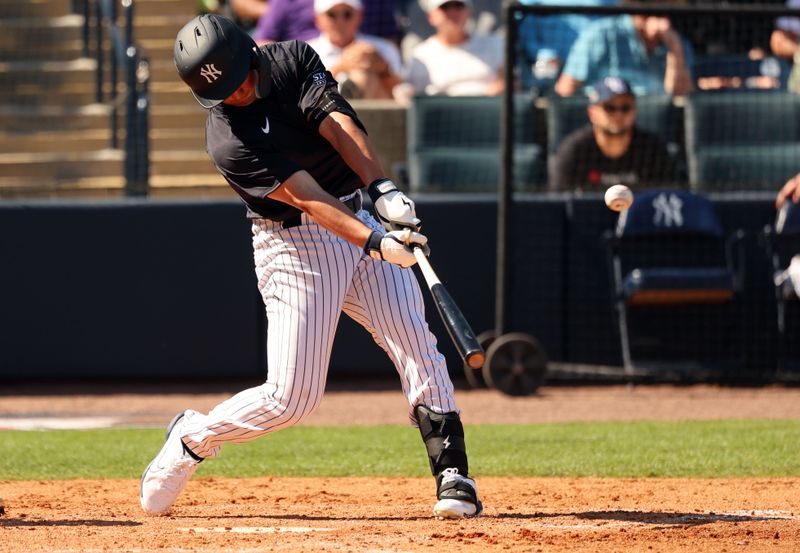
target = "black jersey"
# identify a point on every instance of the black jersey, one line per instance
(257, 147)
(581, 165)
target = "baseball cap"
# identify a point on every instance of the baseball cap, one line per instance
(607, 88)
(321, 6)
(430, 5)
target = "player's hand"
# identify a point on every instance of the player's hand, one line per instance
(396, 246)
(789, 190)
(393, 208)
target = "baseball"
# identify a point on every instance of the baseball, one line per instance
(618, 197)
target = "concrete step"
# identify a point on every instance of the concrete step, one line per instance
(16, 119)
(183, 8)
(173, 166)
(20, 32)
(62, 51)
(33, 8)
(97, 139)
(80, 94)
(62, 166)
(187, 185)
(50, 74)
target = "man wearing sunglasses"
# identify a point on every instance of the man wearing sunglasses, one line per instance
(366, 66)
(612, 150)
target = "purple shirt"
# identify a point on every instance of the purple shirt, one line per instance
(294, 20)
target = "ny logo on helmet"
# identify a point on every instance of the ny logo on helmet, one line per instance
(210, 72)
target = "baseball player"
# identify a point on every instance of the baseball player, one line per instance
(297, 155)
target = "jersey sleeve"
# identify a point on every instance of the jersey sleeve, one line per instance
(319, 91)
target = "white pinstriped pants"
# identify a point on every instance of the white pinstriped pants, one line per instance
(307, 276)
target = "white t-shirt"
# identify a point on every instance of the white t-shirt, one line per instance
(462, 70)
(330, 54)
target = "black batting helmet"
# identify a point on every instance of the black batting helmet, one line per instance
(213, 56)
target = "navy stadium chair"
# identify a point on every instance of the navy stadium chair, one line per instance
(454, 144)
(742, 140)
(675, 282)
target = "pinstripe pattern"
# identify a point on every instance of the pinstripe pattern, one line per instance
(307, 276)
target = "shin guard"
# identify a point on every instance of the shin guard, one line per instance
(443, 435)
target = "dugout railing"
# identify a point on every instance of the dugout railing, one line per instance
(116, 53)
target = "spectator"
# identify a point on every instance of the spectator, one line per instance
(294, 19)
(612, 150)
(453, 62)
(784, 43)
(366, 66)
(545, 41)
(789, 190)
(245, 13)
(643, 49)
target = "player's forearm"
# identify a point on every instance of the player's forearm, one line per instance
(353, 145)
(677, 80)
(302, 191)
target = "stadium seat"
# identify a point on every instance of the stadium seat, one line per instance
(454, 144)
(655, 113)
(739, 71)
(741, 140)
(675, 285)
(783, 245)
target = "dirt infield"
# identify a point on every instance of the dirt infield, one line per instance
(392, 515)
(369, 515)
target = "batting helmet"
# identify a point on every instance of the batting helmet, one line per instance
(213, 56)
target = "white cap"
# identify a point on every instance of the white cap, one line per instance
(430, 5)
(321, 6)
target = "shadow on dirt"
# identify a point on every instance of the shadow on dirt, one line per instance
(18, 522)
(644, 517)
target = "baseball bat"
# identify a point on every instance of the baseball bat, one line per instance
(457, 326)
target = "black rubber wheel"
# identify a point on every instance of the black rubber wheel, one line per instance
(516, 364)
(475, 376)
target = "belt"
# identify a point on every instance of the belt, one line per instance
(351, 201)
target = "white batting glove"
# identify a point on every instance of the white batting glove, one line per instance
(396, 246)
(394, 209)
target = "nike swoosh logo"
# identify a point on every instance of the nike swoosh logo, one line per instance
(265, 128)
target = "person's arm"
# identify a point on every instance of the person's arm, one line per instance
(301, 191)
(393, 208)
(677, 78)
(790, 190)
(353, 145)
(783, 43)
(566, 85)
(249, 9)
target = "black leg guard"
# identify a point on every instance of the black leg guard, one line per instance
(443, 435)
(444, 438)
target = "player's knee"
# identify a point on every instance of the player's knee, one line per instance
(290, 407)
(443, 435)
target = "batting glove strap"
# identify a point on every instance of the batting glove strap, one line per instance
(379, 187)
(395, 246)
(394, 209)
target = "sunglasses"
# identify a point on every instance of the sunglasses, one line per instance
(622, 108)
(347, 15)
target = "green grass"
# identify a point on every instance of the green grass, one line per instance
(669, 449)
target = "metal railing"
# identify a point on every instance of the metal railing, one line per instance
(115, 52)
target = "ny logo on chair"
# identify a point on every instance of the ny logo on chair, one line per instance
(675, 281)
